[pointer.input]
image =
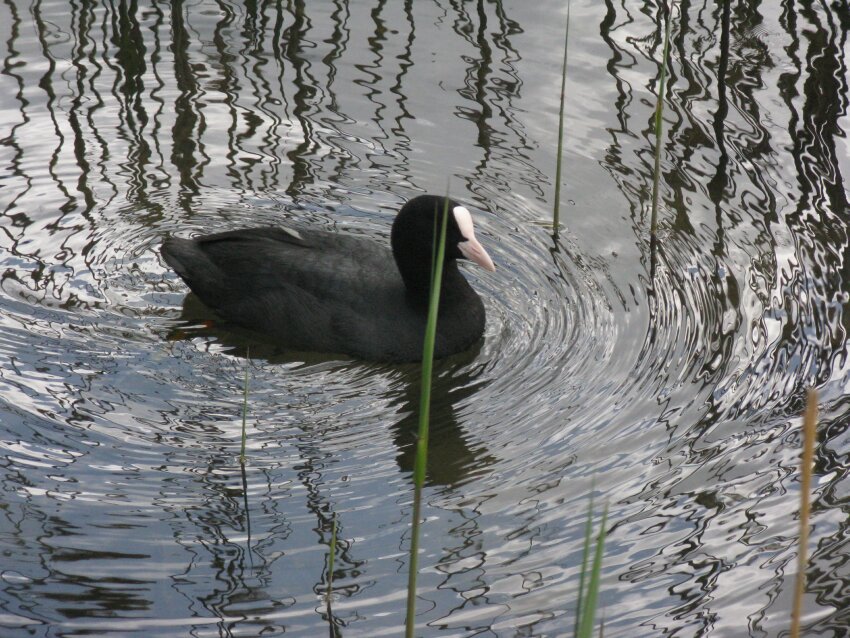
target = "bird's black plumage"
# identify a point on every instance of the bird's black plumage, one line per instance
(322, 291)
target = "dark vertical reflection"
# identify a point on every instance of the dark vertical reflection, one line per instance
(213, 531)
(216, 524)
(81, 23)
(231, 88)
(621, 60)
(491, 85)
(684, 89)
(39, 275)
(451, 460)
(246, 505)
(825, 92)
(154, 175)
(46, 84)
(724, 283)
(259, 64)
(478, 77)
(131, 57)
(637, 182)
(821, 207)
(10, 62)
(294, 38)
(465, 546)
(822, 213)
(829, 562)
(187, 153)
(338, 42)
(764, 279)
(311, 474)
(507, 87)
(405, 63)
(277, 96)
(717, 185)
(374, 70)
(691, 144)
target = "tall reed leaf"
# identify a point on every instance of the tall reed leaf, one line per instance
(659, 109)
(587, 601)
(585, 556)
(557, 206)
(424, 417)
(809, 435)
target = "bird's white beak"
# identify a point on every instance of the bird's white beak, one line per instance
(471, 249)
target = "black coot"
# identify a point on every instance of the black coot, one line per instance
(321, 291)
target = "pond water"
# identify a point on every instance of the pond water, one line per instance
(665, 378)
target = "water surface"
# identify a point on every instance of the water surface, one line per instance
(665, 378)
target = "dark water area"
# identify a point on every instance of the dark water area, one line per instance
(666, 378)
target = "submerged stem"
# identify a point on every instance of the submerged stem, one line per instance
(245, 408)
(331, 556)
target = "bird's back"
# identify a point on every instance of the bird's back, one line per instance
(306, 289)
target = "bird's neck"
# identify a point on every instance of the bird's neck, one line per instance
(417, 281)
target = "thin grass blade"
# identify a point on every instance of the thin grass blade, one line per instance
(421, 461)
(588, 613)
(585, 557)
(557, 205)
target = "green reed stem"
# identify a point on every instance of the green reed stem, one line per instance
(806, 461)
(557, 205)
(588, 533)
(245, 407)
(588, 613)
(587, 600)
(424, 421)
(659, 122)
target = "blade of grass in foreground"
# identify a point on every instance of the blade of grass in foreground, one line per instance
(588, 614)
(809, 435)
(556, 224)
(586, 606)
(424, 419)
(588, 533)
